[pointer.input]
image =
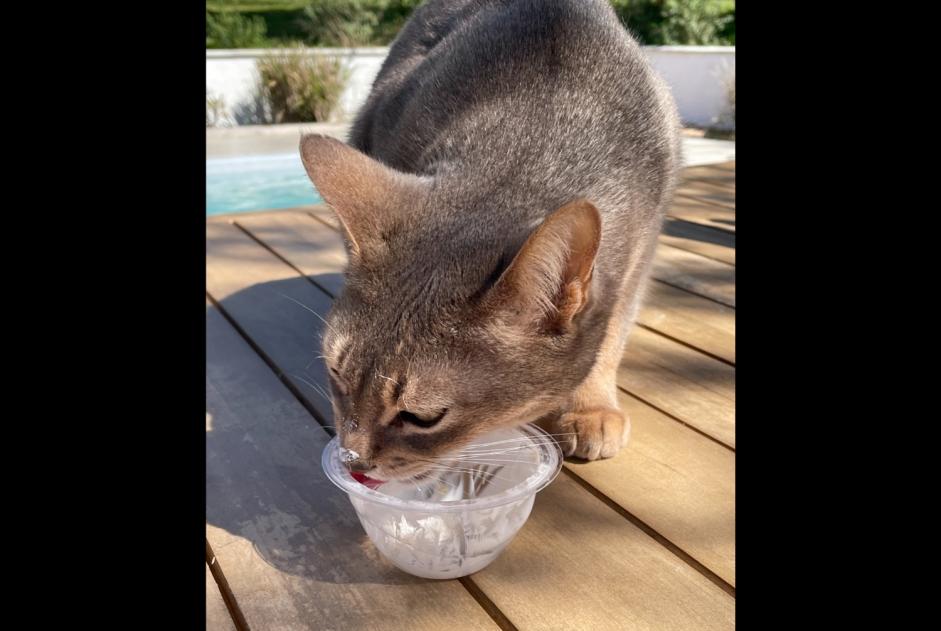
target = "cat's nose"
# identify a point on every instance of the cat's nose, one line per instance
(354, 461)
(359, 466)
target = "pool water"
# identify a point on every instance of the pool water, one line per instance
(249, 183)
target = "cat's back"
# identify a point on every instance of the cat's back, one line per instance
(466, 75)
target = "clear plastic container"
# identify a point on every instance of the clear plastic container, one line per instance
(461, 517)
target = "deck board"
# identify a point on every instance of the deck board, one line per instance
(291, 546)
(707, 277)
(698, 211)
(693, 237)
(658, 370)
(680, 483)
(217, 616)
(695, 388)
(722, 173)
(708, 192)
(578, 562)
(319, 253)
(690, 319)
(711, 278)
(284, 351)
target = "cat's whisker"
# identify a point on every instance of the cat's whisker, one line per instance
(309, 309)
(502, 451)
(452, 470)
(519, 440)
(476, 471)
(314, 387)
(494, 452)
(481, 456)
(441, 479)
(312, 361)
(486, 461)
(511, 446)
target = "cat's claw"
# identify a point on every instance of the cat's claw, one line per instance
(596, 433)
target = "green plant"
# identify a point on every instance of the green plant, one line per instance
(341, 22)
(234, 30)
(377, 22)
(679, 22)
(300, 87)
(393, 18)
(219, 6)
(692, 22)
(354, 22)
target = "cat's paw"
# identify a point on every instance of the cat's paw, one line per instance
(593, 434)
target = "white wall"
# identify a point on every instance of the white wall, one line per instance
(696, 75)
(232, 75)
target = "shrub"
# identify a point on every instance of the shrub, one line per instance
(679, 22)
(234, 30)
(341, 22)
(363, 22)
(299, 87)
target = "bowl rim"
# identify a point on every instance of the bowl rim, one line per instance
(340, 476)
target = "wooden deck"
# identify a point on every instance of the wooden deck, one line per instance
(645, 540)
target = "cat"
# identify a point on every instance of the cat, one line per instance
(500, 201)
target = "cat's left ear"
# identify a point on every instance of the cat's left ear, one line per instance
(370, 199)
(548, 282)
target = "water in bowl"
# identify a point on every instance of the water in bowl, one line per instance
(461, 516)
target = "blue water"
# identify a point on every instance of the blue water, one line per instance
(257, 183)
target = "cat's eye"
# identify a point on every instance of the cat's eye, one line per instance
(423, 421)
(337, 381)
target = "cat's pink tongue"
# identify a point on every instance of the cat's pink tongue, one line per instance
(366, 480)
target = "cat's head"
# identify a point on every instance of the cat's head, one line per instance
(439, 336)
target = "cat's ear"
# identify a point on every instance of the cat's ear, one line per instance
(548, 282)
(368, 197)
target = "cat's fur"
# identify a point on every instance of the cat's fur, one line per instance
(522, 154)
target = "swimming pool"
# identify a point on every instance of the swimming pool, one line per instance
(250, 183)
(246, 183)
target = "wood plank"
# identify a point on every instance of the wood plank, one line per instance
(676, 481)
(697, 211)
(217, 616)
(692, 237)
(693, 272)
(721, 173)
(324, 214)
(313, 249)
(665, 373)
(318, 253)
(706, 601)
(710, 186)
(691, 319)
(708, 192)
(279, 308)
(232, 217)
(679, 313)
(695, 388)
(577, 564)
(292, 548)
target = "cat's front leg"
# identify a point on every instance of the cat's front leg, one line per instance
(594, 433)
(594, 426)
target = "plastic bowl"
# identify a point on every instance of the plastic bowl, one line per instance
(460, 518)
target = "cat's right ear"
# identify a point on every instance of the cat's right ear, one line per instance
(549, 281)
(368, 197)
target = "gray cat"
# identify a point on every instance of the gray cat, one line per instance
(511, 169)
